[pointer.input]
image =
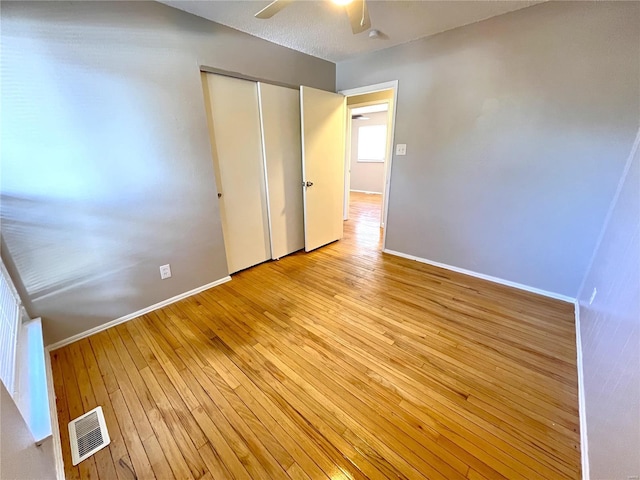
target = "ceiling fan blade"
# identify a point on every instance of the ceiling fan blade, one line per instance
(358, 16)
(273, 8)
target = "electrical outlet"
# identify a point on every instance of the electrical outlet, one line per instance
(165, 271)
(593, 295)
(401, 149)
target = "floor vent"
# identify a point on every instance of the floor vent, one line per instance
(88, 434)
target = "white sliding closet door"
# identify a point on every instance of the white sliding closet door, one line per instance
(280, 115)
(234, 127)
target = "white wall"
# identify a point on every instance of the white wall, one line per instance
(366, 176)
(517, 130)
(106, 161)
(20, 459)
(610, 331)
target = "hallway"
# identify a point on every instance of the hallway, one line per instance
(363, 226)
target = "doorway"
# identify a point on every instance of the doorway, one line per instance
(369, 145)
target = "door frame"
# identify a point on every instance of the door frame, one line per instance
(391, 85)
(387, 156)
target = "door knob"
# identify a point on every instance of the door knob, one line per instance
(219, 195)
(309, 184)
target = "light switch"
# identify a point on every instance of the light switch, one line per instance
(401, 149)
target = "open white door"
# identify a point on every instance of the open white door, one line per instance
(323, 150)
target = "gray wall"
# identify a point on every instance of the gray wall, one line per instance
(106, 161)
(19, 456)
(366, 176)
(517, 129)
(610, 331)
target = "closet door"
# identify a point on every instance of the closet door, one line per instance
(323, 136)
(234, 128)
(280, 116)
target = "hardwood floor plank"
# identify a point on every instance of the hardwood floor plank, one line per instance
(302, 458)
(104, 464)
(258, 462)
(117, 449)
(214, 463)
(295, 472)
(132, 348)
(139, 460)
(231, 460)
(381, 404)
(383, 373)
(243, 420)
(296, 405)
(108, 376)
(87, 468)
(127, 389)
(353, 411)
(157, 458)
(177, 409)
(170, 402)
(62, 410)
(340, 363)
(166, 436)
(169, 360)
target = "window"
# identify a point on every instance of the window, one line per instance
(9, 328)
(22, 359)
(372, 143)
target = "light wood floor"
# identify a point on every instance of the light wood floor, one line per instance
(342, 363)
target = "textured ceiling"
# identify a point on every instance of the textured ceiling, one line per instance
(321, 28)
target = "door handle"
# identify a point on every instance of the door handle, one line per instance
(219, 195)
(309, 184)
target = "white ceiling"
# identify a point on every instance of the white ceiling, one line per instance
(321, 28)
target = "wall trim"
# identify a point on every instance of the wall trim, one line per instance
(368, 192)
(53, 415)
(376, 87)
(471, 273)
(582, 408)
(242, 76)
(131, 316)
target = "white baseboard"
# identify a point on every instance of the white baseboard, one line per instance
(582, 410)
(53, 414)
(367, 192)
(131, 316)
(501, 281)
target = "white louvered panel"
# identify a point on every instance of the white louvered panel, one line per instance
(88, 434)
(9, 327)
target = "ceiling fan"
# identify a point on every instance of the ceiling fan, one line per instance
(356, 11)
